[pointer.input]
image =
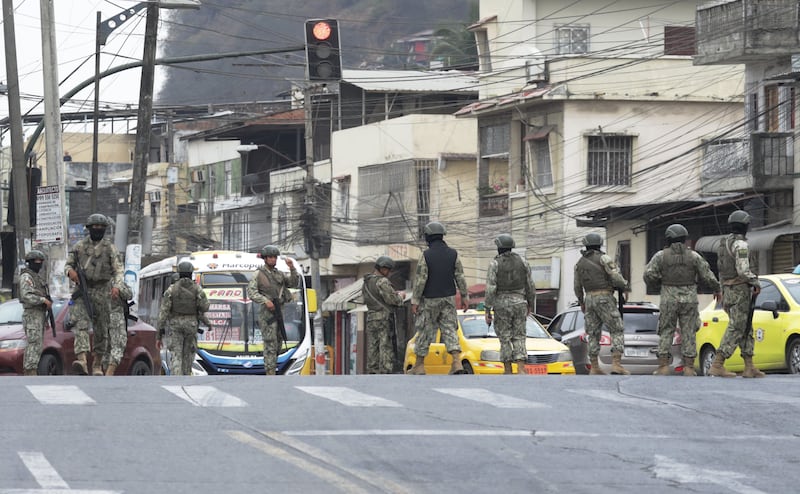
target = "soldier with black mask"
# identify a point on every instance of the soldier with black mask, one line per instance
(35, 299)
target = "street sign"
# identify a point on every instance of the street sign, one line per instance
(49, 219)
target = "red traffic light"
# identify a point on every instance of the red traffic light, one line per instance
(321, 31)
(323, 58)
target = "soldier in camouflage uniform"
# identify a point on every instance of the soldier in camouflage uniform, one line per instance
(511, 293)
(99, 260)
(597, 275)
(118, 329)
(433, 301)
(380, 298)
(676, 271)
(739, 285)
(269, 288)
(183, 303)
(35, 299)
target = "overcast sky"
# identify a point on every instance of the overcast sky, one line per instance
(75, 24)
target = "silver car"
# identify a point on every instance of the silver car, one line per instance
(640, 320)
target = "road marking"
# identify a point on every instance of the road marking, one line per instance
(205, 396)
(348, 397)
(616, 397)
(491, 398)
(411, 432)
(333, 479)
(47, 477)
(667, 468)
(60, 395)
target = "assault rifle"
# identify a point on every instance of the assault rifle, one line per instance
(278, 313)
(83, 290)
(50, 316)
(753, 297)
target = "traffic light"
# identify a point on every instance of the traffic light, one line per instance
(323, 51)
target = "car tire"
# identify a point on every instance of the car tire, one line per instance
(49, 365)
(141, 368)
(467, 367)
(793, 356)
(706, 359)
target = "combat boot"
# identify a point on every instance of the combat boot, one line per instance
(456, 367)
(718, 368)
(595, 367)
(419, 367)
(749, 369)
(663, 367)
(521, 366)
(30, 372)
(688, 367)
(616, 365)
(507, 369)
(79, 365)
(97, 366)
(111, 369)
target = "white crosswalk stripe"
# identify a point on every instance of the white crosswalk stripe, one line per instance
(348, 397)
(615, 396)
(206, 396)
(491, 398)
(60, 395)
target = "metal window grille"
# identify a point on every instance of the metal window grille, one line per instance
(572, 39)
(386, 207)
(609, 160)
(423, 194)
(495, 139)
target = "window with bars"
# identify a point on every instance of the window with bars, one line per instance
(423, 195)
(539, 155)
(495, 139)
(572, 39)
(609, 160)
(283, 223)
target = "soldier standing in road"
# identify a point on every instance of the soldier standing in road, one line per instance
(35, 299)
(433, 301)
(117, 329)
(380, 298)
(183, 303)
(597, 275)
(98, 259)
(511, 293)
(676, 271)
(269, 287)
(739, 286)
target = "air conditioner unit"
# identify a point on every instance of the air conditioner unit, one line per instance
(154, 196)
(198, 176)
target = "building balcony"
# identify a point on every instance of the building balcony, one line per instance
(764, 162)
(493, 205)
(746, 31)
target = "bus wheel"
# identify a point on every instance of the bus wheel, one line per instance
(141, 368)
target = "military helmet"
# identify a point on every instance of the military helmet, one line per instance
(740, 217)
(504, 241)
(435, 228)
(384, 262)
(676, 231)
(270, 250)
(97, 219)
(35, 255)
(185, 267)
(592, 240)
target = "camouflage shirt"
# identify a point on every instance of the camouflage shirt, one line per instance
(653, 275)
(32, 290)
(99, 260)
(379, 294)
(422, 278)
(528, 293)
(611, 272)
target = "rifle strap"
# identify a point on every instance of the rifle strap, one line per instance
(368, 289)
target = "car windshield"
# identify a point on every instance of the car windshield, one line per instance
(793, 287)
(11, 312)
(640, 322)
(474, 326)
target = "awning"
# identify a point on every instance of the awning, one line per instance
(757, 240)
(344, 298)
(537, 133)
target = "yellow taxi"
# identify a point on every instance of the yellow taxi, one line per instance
(480, 349)
(776, 328)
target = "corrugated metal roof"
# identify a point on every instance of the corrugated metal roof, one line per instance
(344, 298)
(502, 101)
(399, 81)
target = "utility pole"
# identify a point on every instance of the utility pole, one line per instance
(54, 146)
(21, 212)
(172, 179)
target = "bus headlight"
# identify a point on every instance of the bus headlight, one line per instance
(297, 364)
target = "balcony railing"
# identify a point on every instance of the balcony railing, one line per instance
(773, 159)
(763, 161)
(493, 205)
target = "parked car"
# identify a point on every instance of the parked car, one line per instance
(140, 358)
(640, 355)
(480, 349)
(776, 328)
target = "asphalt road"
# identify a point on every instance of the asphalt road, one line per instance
(399, 434)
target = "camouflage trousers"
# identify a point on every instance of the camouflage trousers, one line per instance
(101, 305)
(33, 323)
(436, 314)
(182, 345)
(602, 309)
(380, 352)
(117, 337)
(736, 302)
(678, 314)
(268, 322)
(509, 324)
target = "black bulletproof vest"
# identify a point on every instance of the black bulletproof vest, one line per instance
(441, 261)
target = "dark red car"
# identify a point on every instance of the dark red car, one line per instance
(140, 358)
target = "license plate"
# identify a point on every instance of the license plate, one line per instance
(538, 369)
(633, 351)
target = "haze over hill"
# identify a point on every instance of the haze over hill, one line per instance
(367, 27)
